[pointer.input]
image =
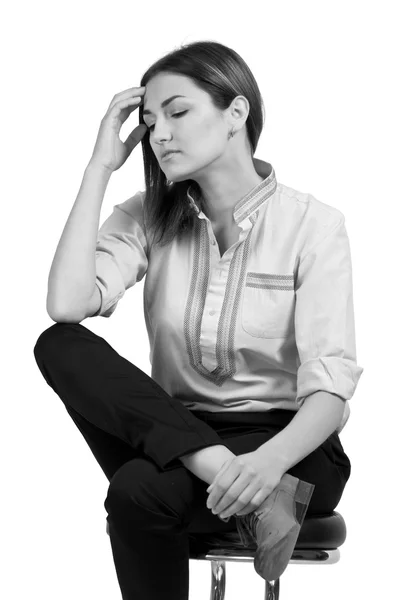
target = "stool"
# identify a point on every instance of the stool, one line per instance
(318, 543)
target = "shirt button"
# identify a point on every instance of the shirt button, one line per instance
(214, 242)
(212, 312)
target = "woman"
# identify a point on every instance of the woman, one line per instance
(249, 310)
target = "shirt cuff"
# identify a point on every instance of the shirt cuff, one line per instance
(332, 374)
(110, 283)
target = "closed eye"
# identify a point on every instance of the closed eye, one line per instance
(178, 115)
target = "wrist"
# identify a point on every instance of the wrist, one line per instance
(271, 451)
(97, 168)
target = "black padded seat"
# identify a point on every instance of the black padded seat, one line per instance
(323, 532)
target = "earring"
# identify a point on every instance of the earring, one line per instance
(231, 134)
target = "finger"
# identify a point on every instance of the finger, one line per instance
(220, 472)
(216, 495)
(222, 484)
(135, 137)
(236, 509)
(123, 109)
(243, 496)
(134, 91)
(232, 493)
(254, 503)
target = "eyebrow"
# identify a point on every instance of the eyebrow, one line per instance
(164, 103)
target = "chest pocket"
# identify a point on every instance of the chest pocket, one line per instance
(268, 305)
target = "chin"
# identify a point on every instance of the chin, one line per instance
(179, 178)
(176, 175)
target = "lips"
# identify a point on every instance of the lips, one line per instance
(169, 154)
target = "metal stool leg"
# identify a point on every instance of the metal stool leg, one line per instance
(217, 591)
(218, 580)
(272, 590)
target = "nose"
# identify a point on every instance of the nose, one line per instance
(161, 137)
(160, 133)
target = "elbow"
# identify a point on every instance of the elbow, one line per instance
(59, 317)
(63, 316)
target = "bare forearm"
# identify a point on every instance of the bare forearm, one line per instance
(72, 275)
(314, 422)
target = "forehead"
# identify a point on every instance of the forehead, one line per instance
(165, 85)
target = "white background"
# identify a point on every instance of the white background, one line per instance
(326, 72)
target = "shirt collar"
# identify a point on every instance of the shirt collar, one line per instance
(252, 200)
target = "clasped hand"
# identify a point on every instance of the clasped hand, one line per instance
(243, 483)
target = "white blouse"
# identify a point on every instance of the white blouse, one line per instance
(262, 327)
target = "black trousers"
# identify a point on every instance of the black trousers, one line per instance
(137, 432)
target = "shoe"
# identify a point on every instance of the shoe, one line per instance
(275, 525)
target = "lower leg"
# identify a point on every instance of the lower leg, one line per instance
(111, 452)
(115, 396)
(151, 566)
(207, 462)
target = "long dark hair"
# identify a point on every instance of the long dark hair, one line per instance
(223, 74)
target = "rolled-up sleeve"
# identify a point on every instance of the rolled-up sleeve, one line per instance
(324, 319)
(121, 253)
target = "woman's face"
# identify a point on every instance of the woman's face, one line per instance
(199, 134)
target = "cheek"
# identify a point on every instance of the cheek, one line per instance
(209, 134)
(209, 127)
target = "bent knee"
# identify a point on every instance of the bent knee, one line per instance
(49, 340)
(132, 477)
